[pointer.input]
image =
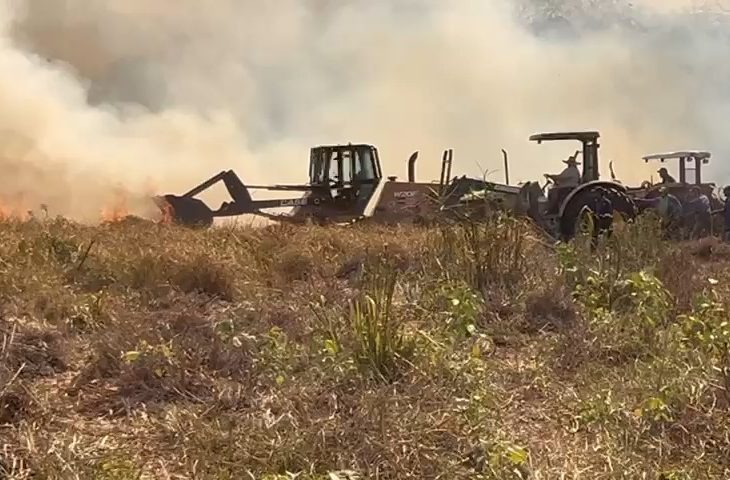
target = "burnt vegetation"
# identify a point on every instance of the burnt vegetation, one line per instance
(475, 351)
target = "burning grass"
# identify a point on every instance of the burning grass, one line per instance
(137, 348)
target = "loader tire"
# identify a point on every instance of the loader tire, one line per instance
(620, 202)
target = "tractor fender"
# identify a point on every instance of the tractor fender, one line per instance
(588, 186)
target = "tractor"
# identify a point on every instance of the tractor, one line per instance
(560, 211)
(345, 184)
(689, 161)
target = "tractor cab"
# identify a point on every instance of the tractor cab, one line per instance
(689, 162)
(589, 143)
(348, 174)
(690, 173)
(565, 208)
(588, 173)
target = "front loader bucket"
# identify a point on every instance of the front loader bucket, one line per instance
(187, 210)
(184, 210)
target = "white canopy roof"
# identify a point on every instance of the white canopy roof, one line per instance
(682, 154)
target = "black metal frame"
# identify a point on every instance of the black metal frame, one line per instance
(589, 141)
(325, 154)
(683, 160)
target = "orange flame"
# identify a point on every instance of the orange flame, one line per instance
(166, 210)
(167, 213)
(118, 210)
(14, 209)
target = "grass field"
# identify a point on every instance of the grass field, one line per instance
(136, 350)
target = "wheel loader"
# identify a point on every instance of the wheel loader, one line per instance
(345, 184)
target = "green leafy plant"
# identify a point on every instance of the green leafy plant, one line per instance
(599, 409)
(158, 358)
(463, 306)
(707, 328)
(117, 468)
(503, 460)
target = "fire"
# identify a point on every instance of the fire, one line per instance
(124, 202)
(168, 213)
(118, 210)
(14, 208)
(12, 213)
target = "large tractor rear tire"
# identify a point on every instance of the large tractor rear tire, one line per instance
(620, 202)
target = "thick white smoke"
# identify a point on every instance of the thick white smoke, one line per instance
(156, 96)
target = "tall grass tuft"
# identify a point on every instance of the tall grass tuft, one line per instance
(501, 258)
(381, 344)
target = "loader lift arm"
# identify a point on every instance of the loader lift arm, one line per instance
(342, 179)
(243, 203)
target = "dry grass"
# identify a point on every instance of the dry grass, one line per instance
(135, 350)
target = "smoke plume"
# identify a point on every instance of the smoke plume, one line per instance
(153, 97)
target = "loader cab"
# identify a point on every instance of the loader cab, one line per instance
(348, 173)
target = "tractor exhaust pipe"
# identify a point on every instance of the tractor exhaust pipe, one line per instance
(506, 167)
(451, 161)
(446, 169)
(412, 167)
(446, 166)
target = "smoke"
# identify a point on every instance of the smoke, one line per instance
(155, 97)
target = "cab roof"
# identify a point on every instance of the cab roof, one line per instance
(353, 146)
(580, 136)
(702, 155)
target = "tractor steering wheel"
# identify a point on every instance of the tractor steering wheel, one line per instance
(646, 184)
(548, 181)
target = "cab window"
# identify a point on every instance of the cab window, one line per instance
(364, 166)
